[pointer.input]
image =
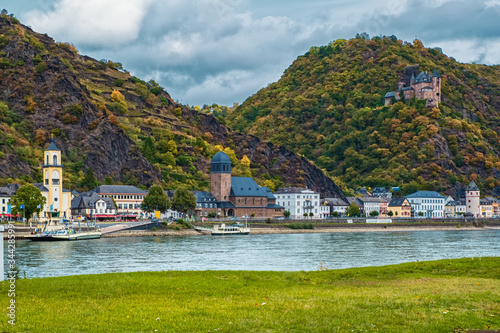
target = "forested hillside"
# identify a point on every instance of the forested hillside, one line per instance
(126, 130)
(329, 107)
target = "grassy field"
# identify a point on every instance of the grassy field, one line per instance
(438, 296)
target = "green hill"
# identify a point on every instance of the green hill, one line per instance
(329, 107)
(127, 130)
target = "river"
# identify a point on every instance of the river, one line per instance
(276, 252)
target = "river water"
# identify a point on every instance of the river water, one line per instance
(276, 252)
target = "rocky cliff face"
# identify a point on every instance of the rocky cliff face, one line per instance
(294, 169)
(48, 89)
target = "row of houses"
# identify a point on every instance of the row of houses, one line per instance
(427, 204)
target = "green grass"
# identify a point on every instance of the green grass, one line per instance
(439, 296)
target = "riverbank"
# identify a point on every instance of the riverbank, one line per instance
(262, 228)
(438, 296)
(286, 230)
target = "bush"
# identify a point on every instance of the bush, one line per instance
(119, 82)
(300, 226)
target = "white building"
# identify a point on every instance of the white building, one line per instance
(337, 205)
(300, 201)
(324, 211)
(374, 204)
(93, 206)
(128, 199)
(5, 194)
(427, 204)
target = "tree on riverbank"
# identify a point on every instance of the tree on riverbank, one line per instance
(155, 200)
(353, 210)
(28, 200)
(183, 200)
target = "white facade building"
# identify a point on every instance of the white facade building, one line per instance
(300, 201)
(128, 199)
(427, 204)
(5, 194)
(337, 205)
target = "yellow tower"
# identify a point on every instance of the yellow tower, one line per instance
(53, 180)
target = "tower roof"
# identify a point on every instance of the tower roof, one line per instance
(472, 186)
(423, 77)
(221, 157)
(436, 73)
(221, 163)
(53, 146)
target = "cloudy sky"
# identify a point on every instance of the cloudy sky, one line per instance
(223, 51)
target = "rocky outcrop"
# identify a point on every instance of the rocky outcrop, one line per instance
(293, 169)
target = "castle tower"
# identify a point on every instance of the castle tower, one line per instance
(472, 199)
(220, 176)
(436, 85)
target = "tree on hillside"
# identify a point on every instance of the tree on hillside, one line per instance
(89, 181)
(28, 200)
(286, 213)
(155, 200)
(183, 200)
(149, 149)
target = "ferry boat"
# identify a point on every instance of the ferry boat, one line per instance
(71, 234)
(233, 229)
(55, 232)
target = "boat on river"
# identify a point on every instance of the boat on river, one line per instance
(223, 229)
(64, 235)
(71, 234)
(53, 231)
(232, 229)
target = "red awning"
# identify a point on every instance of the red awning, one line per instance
(10, 215)
(113, 216)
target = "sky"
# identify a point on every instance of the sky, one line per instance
(223, 51)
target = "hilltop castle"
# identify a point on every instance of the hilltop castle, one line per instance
(424, 86)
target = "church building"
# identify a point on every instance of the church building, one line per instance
(235, 196)
(58, 199)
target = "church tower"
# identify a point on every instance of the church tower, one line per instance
(220, 176)
(53, 178)
(472, 199)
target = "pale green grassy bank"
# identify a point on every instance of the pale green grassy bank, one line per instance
(439, 296)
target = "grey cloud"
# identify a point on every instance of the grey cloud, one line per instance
(205, 51)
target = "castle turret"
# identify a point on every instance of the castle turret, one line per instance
(436, 85)
(472, 203)
(220, 176)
